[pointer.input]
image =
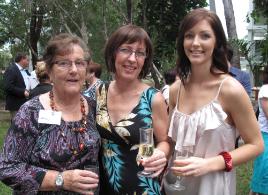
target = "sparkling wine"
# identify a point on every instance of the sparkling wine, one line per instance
(146, 150)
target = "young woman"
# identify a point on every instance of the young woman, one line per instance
(209, 108)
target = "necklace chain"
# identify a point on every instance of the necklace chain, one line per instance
(81, 129)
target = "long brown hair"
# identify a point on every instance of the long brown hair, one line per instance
(219, 54)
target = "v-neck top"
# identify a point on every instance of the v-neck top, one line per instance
(205, 133)
(120, 144)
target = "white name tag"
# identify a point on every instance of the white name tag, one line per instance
(49, 117)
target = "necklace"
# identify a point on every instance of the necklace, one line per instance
(81, 130)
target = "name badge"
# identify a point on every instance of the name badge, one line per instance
(49, 117)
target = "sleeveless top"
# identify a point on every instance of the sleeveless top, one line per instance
(120, 143)
(204, 133)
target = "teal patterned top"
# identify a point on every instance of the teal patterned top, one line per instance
(120, 147)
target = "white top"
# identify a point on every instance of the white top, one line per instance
(205, 134)
(25, 76)
(33, 80)
(262, 119)
(165, 92)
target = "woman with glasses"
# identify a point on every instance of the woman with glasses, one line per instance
(123, 107)
(53, 135)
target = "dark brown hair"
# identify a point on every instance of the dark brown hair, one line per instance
(61, 44)
(20, 56)
(219, 54)
(128, 34)
(94, 67)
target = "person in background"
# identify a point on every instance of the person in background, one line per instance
(33, 80)
(170, 76)
(54, 135)
(242, 76)
(208, 107)
(92, 79)
(16, 78)
(44, 84)
(123, 106)
(259, 182)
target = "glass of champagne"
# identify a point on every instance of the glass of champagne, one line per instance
(94, 169)
(179, 156)
(146, 147)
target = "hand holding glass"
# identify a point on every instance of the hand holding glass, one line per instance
(179, 156)
(94, 169)
(146, 147)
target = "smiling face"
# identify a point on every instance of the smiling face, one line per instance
(68, 80)
(129, 65)
(199, 43)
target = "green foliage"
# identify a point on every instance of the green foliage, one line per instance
(4, 190)
(246, 49)
(260, 9)
(162, 22)
(93, 21)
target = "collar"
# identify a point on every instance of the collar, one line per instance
(19, 67)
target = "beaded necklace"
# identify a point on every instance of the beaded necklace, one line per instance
(81, 129)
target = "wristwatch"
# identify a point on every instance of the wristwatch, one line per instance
(59, 181)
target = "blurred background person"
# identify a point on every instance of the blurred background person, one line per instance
(259, 181)
(125, 105)
(44, 84)
(170, 76)
(92, 79)
(54, 135)
(209, 108)
(16, 83)
(240, 75)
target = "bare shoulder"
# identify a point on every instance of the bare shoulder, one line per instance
(231, 88)
(233, 94)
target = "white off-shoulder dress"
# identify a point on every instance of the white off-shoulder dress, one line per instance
(205, 134)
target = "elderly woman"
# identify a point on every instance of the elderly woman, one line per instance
(53, 135)
(125, 105)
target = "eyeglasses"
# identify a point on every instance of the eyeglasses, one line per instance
(67, 64)
(128, 52)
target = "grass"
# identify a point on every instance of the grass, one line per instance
(243, 172)
(4, 190)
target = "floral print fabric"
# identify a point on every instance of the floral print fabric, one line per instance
(32, 148)
(120, 147)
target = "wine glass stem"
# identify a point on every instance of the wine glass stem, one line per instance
(178, 181)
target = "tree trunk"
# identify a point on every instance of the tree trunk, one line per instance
(129, 11)
(231, 29)
(105, 31)
(36, 24)
(212, 5)
(144, 19)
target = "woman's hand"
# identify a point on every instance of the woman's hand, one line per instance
(192, 166)
(155, 163)
(81, 181)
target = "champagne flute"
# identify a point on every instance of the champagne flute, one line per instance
(146, 147)
(94, 169)
(179, 156)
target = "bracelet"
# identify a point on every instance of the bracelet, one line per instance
(228, 161)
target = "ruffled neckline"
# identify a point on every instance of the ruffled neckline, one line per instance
(184, 128)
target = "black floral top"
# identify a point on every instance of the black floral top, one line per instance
(32, 148)
(120, 143)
